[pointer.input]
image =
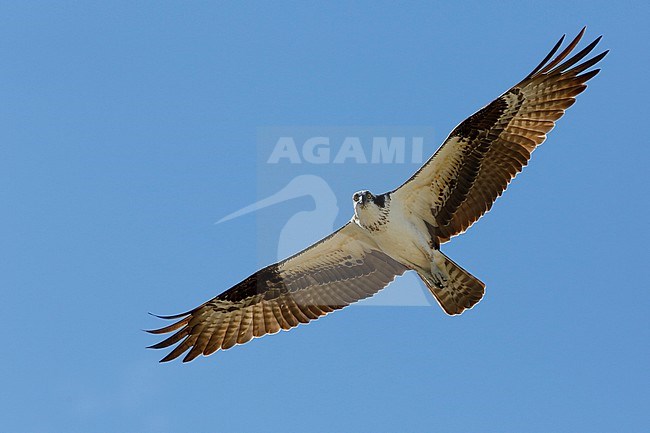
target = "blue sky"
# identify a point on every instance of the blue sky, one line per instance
(128, 129)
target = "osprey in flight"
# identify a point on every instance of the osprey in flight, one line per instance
(400, 230)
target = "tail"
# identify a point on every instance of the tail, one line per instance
(454, 288)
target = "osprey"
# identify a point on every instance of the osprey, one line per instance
(400, 230)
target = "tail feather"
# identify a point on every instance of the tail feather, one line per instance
(454, 288)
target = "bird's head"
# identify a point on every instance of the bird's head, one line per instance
(362, 198)
(368, 208)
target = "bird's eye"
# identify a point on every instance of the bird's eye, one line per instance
(355, 197)
(368, 195)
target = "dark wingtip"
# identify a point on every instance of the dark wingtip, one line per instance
(578, 57)
(152, 331)
(541, 64)
(167, 359)
(171, 317)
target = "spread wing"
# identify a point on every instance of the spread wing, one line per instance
(341, 269)
(461, 181)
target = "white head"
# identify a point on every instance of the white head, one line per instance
(370, 210)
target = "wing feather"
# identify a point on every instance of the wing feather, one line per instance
(461, 181)
(216, 338)
(230, 339)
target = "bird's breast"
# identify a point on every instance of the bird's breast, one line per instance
(404, 238)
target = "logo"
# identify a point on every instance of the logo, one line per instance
(305, 180)
(321, 150)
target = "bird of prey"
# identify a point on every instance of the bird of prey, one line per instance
(401, 230)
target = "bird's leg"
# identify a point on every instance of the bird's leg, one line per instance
(439, 274)
(437, 271)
